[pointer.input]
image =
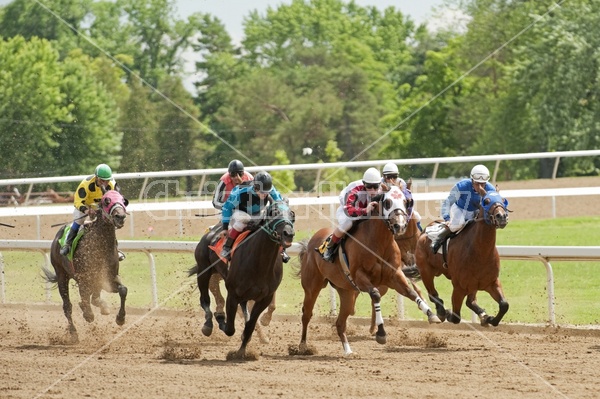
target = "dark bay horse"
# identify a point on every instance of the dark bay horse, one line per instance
(204, 255)
(254, 274)
(95, 264)
(472, 264)
(374, 261)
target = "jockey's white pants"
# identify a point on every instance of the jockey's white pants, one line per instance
(344, 221)
(459, 217)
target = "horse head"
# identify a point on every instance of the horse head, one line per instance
(495, 211)
(113, 207)
(393, 210)
(279, 223)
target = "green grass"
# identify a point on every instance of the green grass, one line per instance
(524, 282)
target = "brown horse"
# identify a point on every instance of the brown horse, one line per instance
(254, 274)
(95, 264)
(472, 263)
(374, 261)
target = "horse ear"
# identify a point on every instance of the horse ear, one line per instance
(125, 201)
(106, 201)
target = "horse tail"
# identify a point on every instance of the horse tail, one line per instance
(49, 275)
(411, 271)
(194, 270)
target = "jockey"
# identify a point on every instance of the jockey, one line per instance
(90, 191)
(355, 203)
(245, 204)
(462, 203)
(234, 177)
(391, 177)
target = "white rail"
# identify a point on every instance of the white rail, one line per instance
(319, 167)
(544, 254)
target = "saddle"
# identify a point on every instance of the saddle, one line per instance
(62, 240)
(219, 241)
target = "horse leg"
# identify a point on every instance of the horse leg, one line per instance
(122, 290)
(257, 308)
(265, 320)
(63, 289)
(215, 289)
(100, 303)
(471, 303)
(373, 327)
(231, 304)
(457, 299)
(497, 294)
(312, 283)
(380, 335)
(86, 308)
(400, 284)
(203, 286)
(347, 300)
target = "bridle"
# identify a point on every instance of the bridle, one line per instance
(491, 210)
(276, 217)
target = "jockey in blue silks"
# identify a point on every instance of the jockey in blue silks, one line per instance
(462, 203)
(244, 204)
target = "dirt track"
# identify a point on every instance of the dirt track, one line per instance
(166, 356)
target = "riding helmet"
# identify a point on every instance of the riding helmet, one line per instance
(390, 168)
(372, 176)
(103, 172)
(263, 182)
(235, 166)
(480, 174)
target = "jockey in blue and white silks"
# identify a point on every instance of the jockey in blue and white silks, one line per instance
(245, 203)
(462, 203)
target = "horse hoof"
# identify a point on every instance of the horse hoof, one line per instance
(381, 339)
(433, 319)
(120, 320)
(207, 331)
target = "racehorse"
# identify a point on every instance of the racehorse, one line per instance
(374, 260)
(254, 273)
(95, 263)
(407, 243)
(472, 263)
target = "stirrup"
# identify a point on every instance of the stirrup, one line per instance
(226, 253)
(121, 256)
(64, 250)
(285, 257)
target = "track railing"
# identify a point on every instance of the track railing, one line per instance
(544, 254)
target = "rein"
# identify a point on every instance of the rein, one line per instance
(270, 228)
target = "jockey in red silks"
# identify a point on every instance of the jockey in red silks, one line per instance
(234, 176)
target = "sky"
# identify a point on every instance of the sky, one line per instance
(232, 12)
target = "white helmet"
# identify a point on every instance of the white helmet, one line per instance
(390, 168)
(372, 175)
(480, 174)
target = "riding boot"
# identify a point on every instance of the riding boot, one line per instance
(330, 250)
(64, 250)
(284, 256)
(226, 251)
(439, 240)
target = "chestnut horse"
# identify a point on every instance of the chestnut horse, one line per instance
(374, 261)
(472, 263)
(95, 264)
(254, 274)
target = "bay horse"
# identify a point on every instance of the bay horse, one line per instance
(374, 261)
(95, 263)
(254, 273)
(472, 263)
(203, 254)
